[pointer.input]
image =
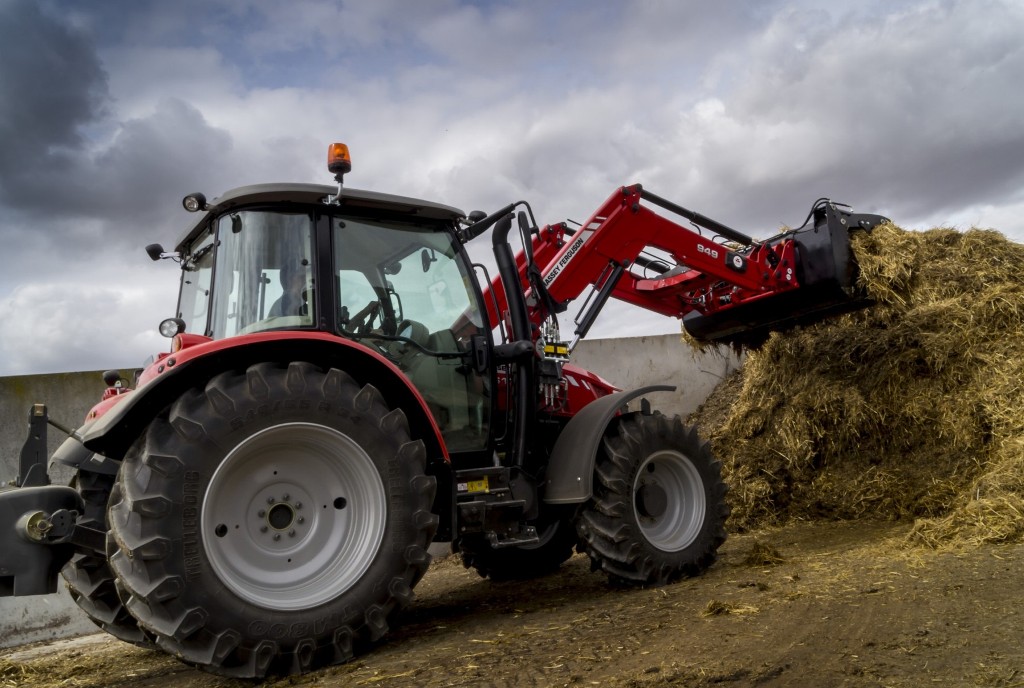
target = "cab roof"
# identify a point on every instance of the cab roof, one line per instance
(314, 194)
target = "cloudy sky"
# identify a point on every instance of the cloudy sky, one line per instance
(746, 111)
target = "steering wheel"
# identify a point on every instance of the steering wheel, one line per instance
(363, 320)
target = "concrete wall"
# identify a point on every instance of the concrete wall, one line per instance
(68, 397)
(627, 363)
(664, 359)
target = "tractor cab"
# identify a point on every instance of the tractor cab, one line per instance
(383, 271)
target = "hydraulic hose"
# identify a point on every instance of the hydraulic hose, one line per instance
(524, 400)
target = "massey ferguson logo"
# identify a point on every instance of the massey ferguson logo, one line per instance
(574, 247)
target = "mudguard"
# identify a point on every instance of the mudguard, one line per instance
(571, 467)
(73, 453)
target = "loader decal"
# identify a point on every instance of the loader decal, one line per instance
(567, 257)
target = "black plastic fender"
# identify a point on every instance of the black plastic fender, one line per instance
(571, 466)
(73, 453)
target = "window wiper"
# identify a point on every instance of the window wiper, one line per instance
(193, 260)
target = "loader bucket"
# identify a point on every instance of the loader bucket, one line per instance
(826, 271)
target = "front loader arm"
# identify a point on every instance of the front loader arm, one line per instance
(724, 285)
(623, 229)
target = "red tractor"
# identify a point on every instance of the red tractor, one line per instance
(342, 391)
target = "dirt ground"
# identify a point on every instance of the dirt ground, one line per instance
(847, 605)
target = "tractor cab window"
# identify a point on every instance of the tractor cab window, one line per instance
(264, 277)
(196, 274)
(406, 290)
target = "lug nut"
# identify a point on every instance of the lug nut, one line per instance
(261, 513)
(298, 505)
(301, 519)
(286, 496)
(277, 536)
(291, 533)
(263, 529)
(270, 500)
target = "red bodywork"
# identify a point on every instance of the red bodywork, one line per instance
(189, 346)
(620, 230)
(581, 387)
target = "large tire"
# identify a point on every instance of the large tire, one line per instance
(88, 576)
(273, 522)
(557, 541)
(658, 510)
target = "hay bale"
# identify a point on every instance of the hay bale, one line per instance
(913, 408)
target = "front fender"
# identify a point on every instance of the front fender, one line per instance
(114, 432)
(73, 453)
(571, 467)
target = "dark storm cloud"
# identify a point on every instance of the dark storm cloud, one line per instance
(51, 85)
(153, 161)
(52, 89)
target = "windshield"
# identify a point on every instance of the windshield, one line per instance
(264, 273)
(264, 276)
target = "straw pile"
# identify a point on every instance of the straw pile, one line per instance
(913, 408)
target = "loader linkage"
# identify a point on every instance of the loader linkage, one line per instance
(726, 287)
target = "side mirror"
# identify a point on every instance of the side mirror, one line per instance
(427, 256)
(156, 252)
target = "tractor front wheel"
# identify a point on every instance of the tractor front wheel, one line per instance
(658, 510)
(273, 521)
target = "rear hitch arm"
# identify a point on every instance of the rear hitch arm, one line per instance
(32, 465)
(39, 522)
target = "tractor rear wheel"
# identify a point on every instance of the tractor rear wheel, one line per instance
(658, 510)
(88, 576)
(273, 521)
(557, 541)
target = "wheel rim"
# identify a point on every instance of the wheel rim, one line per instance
(293, 516)
(669, 500)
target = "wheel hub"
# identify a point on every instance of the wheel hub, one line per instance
(669, 499)
(281, 516)
(651, 500)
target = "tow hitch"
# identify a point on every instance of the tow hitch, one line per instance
(38, 530)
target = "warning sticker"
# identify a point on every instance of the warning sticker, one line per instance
(474, 485)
